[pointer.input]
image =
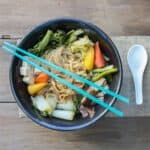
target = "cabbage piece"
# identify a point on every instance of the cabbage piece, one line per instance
(28, 79)
(68, 105)
(52, 100)
(73, 36)
(81, 45)
(45, 105)
(63, 114)
(26, 71)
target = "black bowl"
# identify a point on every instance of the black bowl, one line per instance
(19, 88)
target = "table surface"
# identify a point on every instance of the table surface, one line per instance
(119, 18)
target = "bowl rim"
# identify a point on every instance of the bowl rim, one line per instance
(112, 101)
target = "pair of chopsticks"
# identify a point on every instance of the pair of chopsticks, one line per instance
(13, 50)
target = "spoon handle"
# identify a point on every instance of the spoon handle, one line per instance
(138, 79)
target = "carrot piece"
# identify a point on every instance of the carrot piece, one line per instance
(99, 59)
(41, 77)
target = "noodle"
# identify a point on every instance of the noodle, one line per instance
(69, 61)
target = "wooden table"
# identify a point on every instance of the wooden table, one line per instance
(119, 18)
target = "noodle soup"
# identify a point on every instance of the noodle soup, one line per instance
(73, 51)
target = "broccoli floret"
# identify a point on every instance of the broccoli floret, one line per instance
(73, 35)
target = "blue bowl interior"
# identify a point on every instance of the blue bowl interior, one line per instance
(19, 88)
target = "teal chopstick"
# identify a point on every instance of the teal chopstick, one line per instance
(60, 69)
(68, 84)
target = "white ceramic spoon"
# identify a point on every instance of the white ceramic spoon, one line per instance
(137, 59)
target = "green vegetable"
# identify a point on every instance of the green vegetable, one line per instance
(41, 46)
(42, 105)
(44, 113)
(53, 40)
(57, 39)
(103, 69)
(45, 105)
(69, 105)
(73, 35)
(63, 114)
(109, 78)
(77, 102)
(103, 74)
(82, 45)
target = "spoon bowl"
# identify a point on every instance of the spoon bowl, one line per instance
(137, 59)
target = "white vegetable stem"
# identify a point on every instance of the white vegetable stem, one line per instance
(44, 105)
(68, 105)
(26, 71)
(63, 114)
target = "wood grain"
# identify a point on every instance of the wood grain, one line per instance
(109, 134)
(5, 60)
(116, 17)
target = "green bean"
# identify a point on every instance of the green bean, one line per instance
(103, 69)
(103, 74)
